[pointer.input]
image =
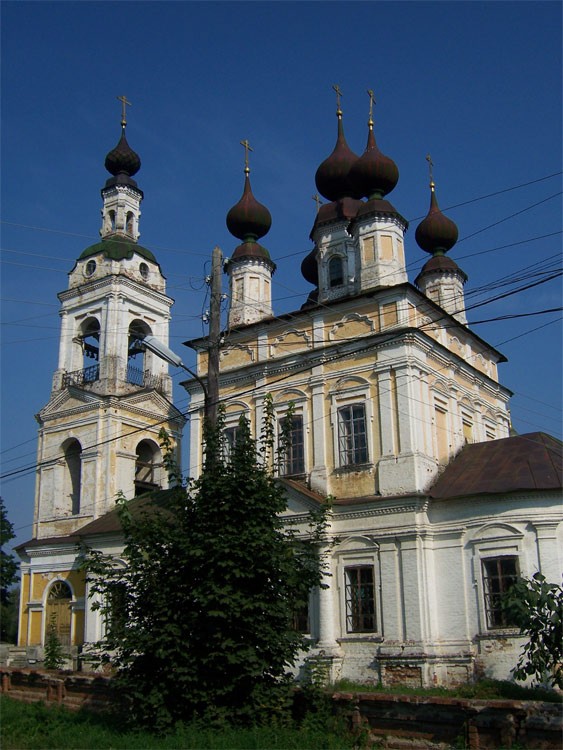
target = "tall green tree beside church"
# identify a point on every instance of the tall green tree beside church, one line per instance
(204, 626)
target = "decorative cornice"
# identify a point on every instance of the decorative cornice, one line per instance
(97, 286)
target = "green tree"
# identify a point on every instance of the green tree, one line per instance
(536, 607)
(212, 582)
(54, 656)
(9, 598)
(8, 564)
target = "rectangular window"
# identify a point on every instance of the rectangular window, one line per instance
(230, 434)
(360, 599)
(352, 435)
(301, 620)
(293, 460)
(467, 428)
(499, 574)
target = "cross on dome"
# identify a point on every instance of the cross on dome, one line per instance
(371, 103)
(124, 103)
(247, 148)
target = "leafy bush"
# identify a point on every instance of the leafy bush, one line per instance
(536, 607)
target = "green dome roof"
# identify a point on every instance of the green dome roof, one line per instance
(117, 249)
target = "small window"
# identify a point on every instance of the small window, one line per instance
(301, 622)
(499, 574)
(352, 435)
(293, 460)
(90, 268)
(230, 435)
(144, 271)
(360, 599)
(335, 272)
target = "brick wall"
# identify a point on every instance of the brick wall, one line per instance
(391, 721)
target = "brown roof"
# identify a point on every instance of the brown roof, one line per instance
(524, 462)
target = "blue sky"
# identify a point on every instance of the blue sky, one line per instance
(478, 85)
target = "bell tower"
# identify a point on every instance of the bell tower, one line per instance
(98, 434)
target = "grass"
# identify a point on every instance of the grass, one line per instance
(482, 690)
(39, 727)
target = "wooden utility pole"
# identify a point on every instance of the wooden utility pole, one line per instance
(212, 400)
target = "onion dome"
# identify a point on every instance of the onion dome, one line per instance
(436, 233)
(373, 175)
(248, 220)
(122, 159)
(331, 177)
(309, 268)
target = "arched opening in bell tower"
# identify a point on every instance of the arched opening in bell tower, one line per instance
(73, 475)
(148, 465)
(136, 354)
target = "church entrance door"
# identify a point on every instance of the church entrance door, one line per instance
(58, 611)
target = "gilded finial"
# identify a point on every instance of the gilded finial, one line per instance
(124, 104)
(247, 148)
(318, 201)
(336, 87)
(371, 103)
(430, 165)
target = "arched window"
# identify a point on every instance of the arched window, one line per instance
(112, 220)
(335, 271)
(73, 474)
(58, 611)
(129, 222)
(136, 355)
(147, 467)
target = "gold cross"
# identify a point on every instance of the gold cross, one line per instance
(247, 148)
(430, 165)
(336, 87)
(317, 199)
(371, 103)
(124, 103)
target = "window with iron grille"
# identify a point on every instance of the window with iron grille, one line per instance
(293, 461)
(360, 599)
(352, 435)
(499, 574)
(335, 271)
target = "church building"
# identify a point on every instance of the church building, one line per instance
(394, 409)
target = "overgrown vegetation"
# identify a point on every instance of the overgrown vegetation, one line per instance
(536, 607)
(38, 727)
(200, 622)
(8, 576)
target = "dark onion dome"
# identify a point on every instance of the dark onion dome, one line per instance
(250, 250)
(309, 267)
(331, 177)
(117, 249)
(122, 159)
(248, 219)
(440, 264)
(436, 233)
(373, 175)
(344, 209)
